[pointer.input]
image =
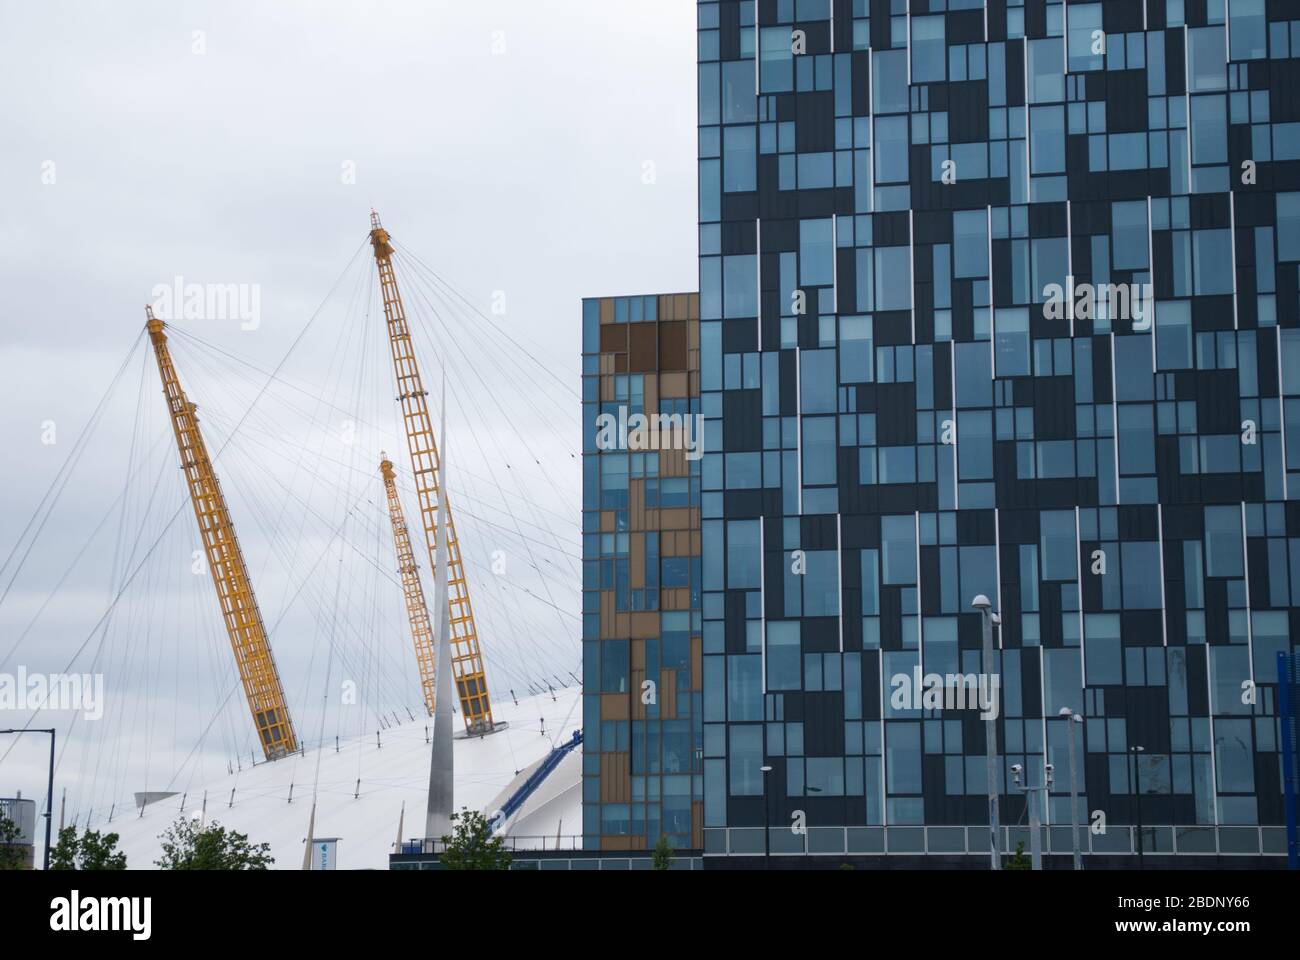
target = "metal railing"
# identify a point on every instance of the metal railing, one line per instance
(1118, 840)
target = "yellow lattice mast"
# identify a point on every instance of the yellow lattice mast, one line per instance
(412, 590)
(226, 563)
(467, 662)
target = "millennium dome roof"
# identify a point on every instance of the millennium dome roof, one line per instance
(272, 801)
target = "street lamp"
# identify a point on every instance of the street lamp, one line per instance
(1032, 795)
(767, 820)
(982, 604)
(1135, 751)
(49, 796)
(1071, 718)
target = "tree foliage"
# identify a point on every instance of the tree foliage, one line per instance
(1019, 861)
(662, 858)
(189, 846)
(12, 856)
(471, 845)
(91, 851)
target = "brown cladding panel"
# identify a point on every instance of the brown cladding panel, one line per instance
(613, 706)
(636, 561)
(673, 384)
(615, 778)
(644, 626)
(613, 338)
(651, 393)
(643, 347)
(672, 345)
(672, 461)
(668, 694)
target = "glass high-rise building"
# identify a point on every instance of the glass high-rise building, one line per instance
(997, 298)
(642, 677)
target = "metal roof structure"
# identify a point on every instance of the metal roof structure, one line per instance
(363, 786)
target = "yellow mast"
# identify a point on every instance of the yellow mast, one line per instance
(226, 563)
(412, 590)
(467, 662)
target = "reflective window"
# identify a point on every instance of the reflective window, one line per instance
(1206, 59)
(1223, 541)
(928, 51)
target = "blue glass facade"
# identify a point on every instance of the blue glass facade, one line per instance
(642, 775)
(997, 297)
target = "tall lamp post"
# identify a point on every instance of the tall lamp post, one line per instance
(982, 604)
(767, 820)
(1071, 718)
(1136, 751)
(49, 794)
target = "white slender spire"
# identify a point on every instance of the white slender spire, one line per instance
(311, 831)
(441, 767)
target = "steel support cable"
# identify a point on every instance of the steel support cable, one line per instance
(299, 338)
(130, 492)
(271, 442)
(67, 571)
(340, 535)
(249, 435)
(489, 619)
(465, 413)
(537, 397)
(63, 475)
(338, 347)
(523, 443)
(274, 529)
(420, 293)
(362, 283)
(433, 273)
(293, 346)
(423, 294)
(321, 611)
(366, 422)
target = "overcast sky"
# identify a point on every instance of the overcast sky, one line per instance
(529, 153)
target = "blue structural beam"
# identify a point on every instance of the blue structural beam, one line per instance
(526, 789)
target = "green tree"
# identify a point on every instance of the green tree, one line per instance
(471, 845)
(662, 858)
(11, 852)
(188, 846)
(91, 851)
(1019, 861)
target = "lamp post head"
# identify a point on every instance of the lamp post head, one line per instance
(981, 603)
(765, 769)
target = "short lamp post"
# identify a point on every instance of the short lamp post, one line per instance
(991, 619)
(767, 820)
(1033, 796)
(1136, 752)
(1072, 718)
(49, 796)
